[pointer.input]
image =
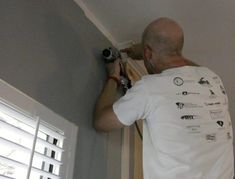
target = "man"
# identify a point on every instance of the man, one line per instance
(187, 126)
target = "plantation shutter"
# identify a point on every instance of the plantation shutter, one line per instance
(29, 147)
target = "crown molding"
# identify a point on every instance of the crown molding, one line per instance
(96, 22)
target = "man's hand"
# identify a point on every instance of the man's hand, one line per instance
(113, 69)
(135, 52)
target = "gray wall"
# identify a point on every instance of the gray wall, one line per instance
(51, 52)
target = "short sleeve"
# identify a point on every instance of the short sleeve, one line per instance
(132, 106)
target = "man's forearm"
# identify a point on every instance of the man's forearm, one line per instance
(105, 118)
(107, 97)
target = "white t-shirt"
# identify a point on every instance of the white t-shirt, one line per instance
(187, 126)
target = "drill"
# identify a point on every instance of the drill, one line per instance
(110, 55)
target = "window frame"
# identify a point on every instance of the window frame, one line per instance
(28, 105)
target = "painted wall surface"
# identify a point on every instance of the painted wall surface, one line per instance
(51, 52)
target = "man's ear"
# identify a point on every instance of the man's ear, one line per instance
(147, 52)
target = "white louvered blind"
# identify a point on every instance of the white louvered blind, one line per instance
(29, 147)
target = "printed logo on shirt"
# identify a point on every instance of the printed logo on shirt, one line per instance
(178, 81)
(211, 137)
(216, 114)
(216, 79)
(212, 94)
(187, 105)
(222, 90)
(212, 104)
(185, 93)
(189, 117)
(204, 82)
(194, 129)
(220, 123)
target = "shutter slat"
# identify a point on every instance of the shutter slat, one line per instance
(13, 162)
(49, 145)
(27, 150)
(47, 130)
(14, 145)
(16, 130)
(5, 177)
(21, 165)
(17, 114)
(47, 159)
(29, 136)
(45, 174)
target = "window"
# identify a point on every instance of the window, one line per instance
(35, 143)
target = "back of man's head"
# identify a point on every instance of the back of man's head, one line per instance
(164, 36)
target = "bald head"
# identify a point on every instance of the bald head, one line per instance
(164, 36)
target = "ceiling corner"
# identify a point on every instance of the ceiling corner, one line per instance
(96, 22)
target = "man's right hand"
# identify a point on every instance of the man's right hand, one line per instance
(113, 69)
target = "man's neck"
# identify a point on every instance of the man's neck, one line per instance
(176, 61)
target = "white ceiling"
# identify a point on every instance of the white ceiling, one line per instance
(124, 20)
